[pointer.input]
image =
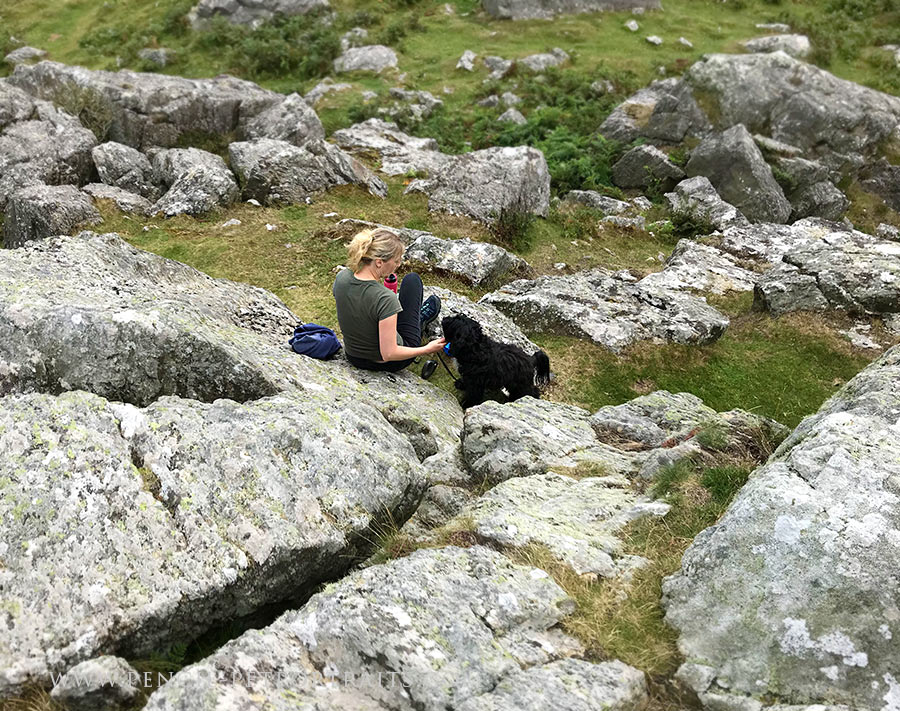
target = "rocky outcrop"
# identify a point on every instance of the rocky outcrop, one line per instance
(146, 110)
(646, 166)
(483, 183)
(249, 12)
(41, 211)
(882, 179)
(699, 267)
(122, 199)
(474, 262)
(371, 58)
(736, 168)
(399, 152)
(452, 628)
(795, 45)
(608, 308)
(791, 597)
(697, 196)
(546, 9)
(543, 61)
(126, 168)
(664, 112)
(280, 173)
(794, 102)
(103, 684)
(596, 201)
(24, 55)
(292, 120)
(769, 242)
(495, 324)
(196, 182)
(838, 271)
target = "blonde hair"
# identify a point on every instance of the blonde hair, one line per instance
(369, 245)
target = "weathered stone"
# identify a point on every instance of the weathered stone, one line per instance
(697, 196)
(489, 101)
(644, 166)
(293, 120)
(771, 147)
(483, 183)
(249, 12)
(740, 174)
(883, 179)
(102, 684)
(49, 152)
(159, 56)
(602, 86)
(576, 521)
(15, 104)
(542, 62)
(438, 506)
(770, 242)
(448, 625)
(795, 102)
(124, 200)
(126, 168)
(512, 116)
(890, 232)
(665, 111)
(372, 58)
(527, 437)
(567, 685)
(654, 40)
(400, 153)
(418, 104)
(25, 55)
(593, 199)
(494, 323)
(546, 9)
(632, 25)
(474, 262)
(279, 173)
(699, 267)
(197, 182)
(326, 86)
(608, 309)
(42, 211)
(859, 276)
(510, 99)
(151, 109)
(795, 45)
(354, 37)
(499, 66)
(467, 61)
(629, 223)
(791, 596)
(821, 199)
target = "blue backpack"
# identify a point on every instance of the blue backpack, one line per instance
(315, 341)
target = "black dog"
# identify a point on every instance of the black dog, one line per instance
(484, 364)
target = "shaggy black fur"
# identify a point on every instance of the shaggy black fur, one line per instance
(484, 364)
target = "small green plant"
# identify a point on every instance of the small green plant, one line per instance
(690, 222)
(668, 478)
(87, 104)
(723, 482)
(712, 436)
(512, 225)
(787, 181)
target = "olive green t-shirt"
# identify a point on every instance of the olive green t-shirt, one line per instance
(361, 304)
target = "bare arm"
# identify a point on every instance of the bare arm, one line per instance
(390, 350)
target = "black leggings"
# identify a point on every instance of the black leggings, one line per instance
(409, 325)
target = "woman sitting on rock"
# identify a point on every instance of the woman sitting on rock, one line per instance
(382, 330)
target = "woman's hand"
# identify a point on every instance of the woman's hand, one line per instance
(435, 346)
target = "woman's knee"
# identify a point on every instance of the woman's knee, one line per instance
(411, 280)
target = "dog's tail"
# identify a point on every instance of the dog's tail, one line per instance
(541, 365)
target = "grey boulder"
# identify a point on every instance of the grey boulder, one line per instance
(697, 196)
(795, 102)
(474, 262)
(736, 168)
(293, 120)
(547, 9)
(644, 167)
(123, 200)
(822, 199)
(609, 309)
(543, 61)
(102, 684)
(25, 55)
(15, 104)
(596, 201)
(399, 152)
(795, 45)
(124, 167)
(446, 626)
(766, 242)
(882, 179)
(512, 115)
(196, 182)
(699, 267)
(280, 173)
(148, 109)
(160, 56)
(790, 597)
(371, 58)
(41, 211)
(483, 183)
(664, 112)
(249, 12)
